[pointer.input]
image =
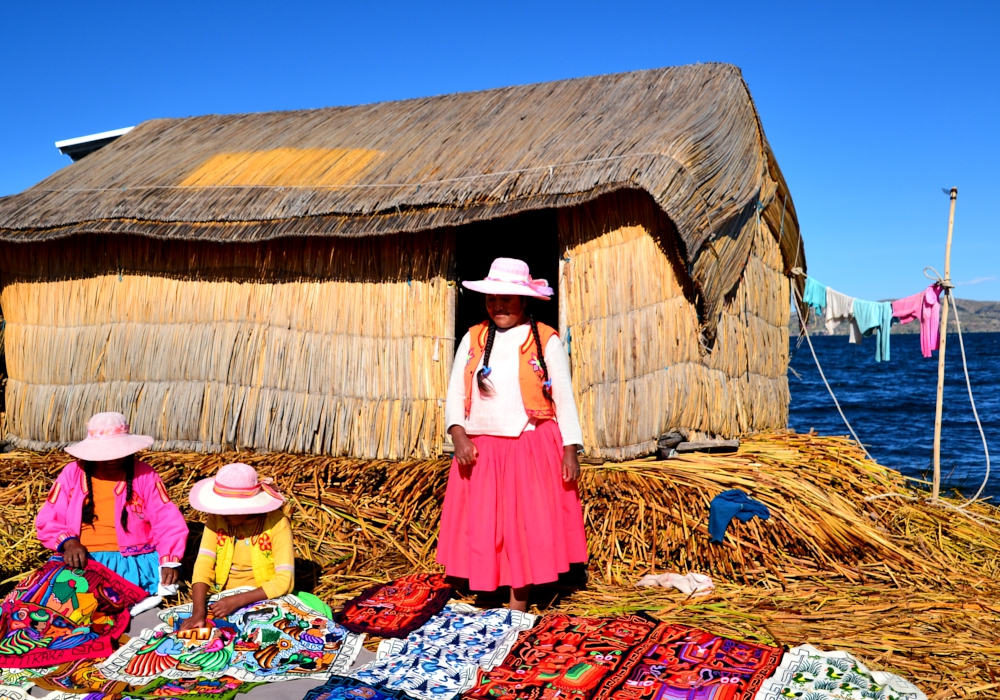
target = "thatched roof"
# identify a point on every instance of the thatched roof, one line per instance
(689, 136)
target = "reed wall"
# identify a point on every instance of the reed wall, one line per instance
(326, 345)
(641, 365)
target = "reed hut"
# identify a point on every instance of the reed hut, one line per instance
(287, 281)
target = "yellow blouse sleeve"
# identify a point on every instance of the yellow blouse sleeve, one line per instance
(204, 565)
(283, 551)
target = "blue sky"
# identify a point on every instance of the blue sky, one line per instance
(871, 107)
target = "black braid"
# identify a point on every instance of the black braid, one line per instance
(87, 515)
(129, 467)
(485, 386)
(546, 391)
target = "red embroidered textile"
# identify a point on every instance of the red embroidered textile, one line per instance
(395, 609)
(631, 657)
(58, 614)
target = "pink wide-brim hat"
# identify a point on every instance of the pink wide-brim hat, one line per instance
(511, 276)
(235, 490)
(108, 438)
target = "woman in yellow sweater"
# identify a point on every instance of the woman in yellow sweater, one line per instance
(247, 542)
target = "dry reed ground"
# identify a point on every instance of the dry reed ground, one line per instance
(904, 585)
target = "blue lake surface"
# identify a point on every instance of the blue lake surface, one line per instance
(891, 404)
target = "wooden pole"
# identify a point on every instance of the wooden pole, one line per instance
(936, 486)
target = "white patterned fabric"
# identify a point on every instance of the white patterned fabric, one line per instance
(807, 673)
(442, 658)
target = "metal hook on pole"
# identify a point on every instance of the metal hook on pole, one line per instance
(936, 484)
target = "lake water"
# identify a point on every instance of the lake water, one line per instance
(891, 404)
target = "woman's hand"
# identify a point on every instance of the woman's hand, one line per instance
(74, 554)
(169, 575)
(465, 450)
(570, 464)
(196, 621)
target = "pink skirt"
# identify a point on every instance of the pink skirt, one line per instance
(510, 519)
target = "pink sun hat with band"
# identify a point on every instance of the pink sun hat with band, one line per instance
(235, 490)
(108, 438)
(510, 276)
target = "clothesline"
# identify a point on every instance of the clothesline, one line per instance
(868, 318)
(924, 305)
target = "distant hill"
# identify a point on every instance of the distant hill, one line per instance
(976, 317)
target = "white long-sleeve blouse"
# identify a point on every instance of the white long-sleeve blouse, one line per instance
(502, 414)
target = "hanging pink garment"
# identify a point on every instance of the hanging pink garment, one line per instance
(925, 306)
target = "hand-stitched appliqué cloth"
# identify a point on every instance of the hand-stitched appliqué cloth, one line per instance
(58, 614)
(678, 661)
(808, 673)
(341, 688)
(565, 654)
(273, 640)
(395, 609)
(442, 658)
(23, 677)
(224, 688)
(80, 676)
(626, 658)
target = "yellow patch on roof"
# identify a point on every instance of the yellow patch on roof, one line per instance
(288, 167)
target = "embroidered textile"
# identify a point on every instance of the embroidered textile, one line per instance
(631, 657)
(565, 653)
(684, 662)
(341, 688)
(395, 609)
(80, 675)
(224, 688)
(807, 673)
(23, 677)
(58, 614)
(442, 658)
(273, 640)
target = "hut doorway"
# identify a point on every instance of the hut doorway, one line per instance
(532, 237)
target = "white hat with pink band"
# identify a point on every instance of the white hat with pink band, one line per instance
(510, 276)
(108, 438)
(235, 490)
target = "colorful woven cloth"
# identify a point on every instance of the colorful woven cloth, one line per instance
(341, 688)
(22, 677)
(79, 676)
(58, 615)
(224, 688)
(443, 658)
(273, 640)
(806, 673)
(630, 657)
(395, 609)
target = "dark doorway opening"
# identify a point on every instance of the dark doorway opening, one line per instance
(532, 237)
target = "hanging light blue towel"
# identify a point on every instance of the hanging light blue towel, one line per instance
(875, 317)
(732, 504)
(815, 295)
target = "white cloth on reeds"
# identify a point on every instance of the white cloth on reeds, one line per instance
(691, 583)
(502, 414)
(806, 671)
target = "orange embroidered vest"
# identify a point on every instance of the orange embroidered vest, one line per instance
(529, 372)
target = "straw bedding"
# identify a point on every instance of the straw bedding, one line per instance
(904, 585)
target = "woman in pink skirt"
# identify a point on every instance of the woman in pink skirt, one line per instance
(512, 514)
